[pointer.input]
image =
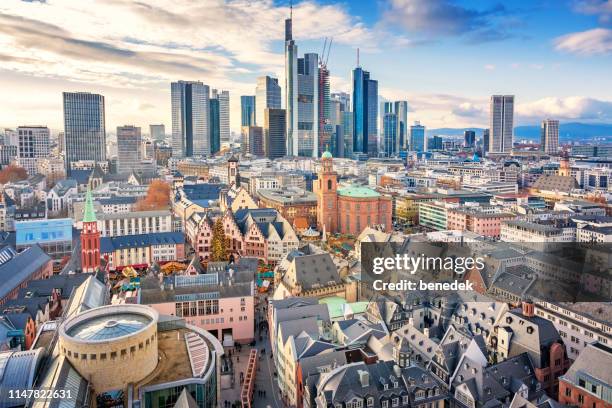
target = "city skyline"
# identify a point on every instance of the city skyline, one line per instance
(50, 48)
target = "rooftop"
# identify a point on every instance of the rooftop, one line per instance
(358, 192)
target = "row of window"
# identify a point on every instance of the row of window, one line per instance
(113, 354)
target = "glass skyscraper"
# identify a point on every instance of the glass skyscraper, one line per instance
(215, 128)
(417, 137)
(275, 128)
(129, 149)
(247, 108)
(190, 119)
(84, 127)
(308, 106)
(390, 134)
(267, 96)
(291, 88)
(365, 112)
(501, 123)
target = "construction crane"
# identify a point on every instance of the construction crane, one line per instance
(326, 47)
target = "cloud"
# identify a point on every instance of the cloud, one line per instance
(442, 18)
(597, 41)
(489, 67)
(601, 8)
(470, 110)
(569, 108)
(143, 45)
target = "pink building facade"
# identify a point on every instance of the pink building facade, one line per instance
(232, 316)
(486, 224)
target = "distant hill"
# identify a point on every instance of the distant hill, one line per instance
(572, 131)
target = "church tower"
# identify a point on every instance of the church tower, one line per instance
(233, 176)
(326, 189)
(90, 237)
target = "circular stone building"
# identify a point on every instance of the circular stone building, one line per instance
(112, 345)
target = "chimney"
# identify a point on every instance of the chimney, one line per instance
(426, 332)
(528, 308)
(364, 378)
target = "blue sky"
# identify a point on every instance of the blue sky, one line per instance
(444, 57)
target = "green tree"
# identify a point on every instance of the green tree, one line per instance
(219, 244)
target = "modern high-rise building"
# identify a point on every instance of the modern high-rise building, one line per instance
(247, 110)
(342, 119)
(486, 141)
(224, 115)
(365, 113)
(435, 143)
(501, 123)
(326, 129)
(417, 137)
(129, 149)
(33, 144)
(302, 98)
(291, 88)
(84, 127)
(190, 119)
(390, 134)
(549, 136)
(252, 140)
(469, 138)
(275, 132)
(215, 125)
(308, 106)
(401, 110)
(157, 132)
(267, 96)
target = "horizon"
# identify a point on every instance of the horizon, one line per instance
(130, 52)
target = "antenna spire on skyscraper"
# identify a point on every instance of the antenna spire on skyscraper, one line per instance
(357, 56)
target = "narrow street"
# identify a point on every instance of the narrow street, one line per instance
(264, 378)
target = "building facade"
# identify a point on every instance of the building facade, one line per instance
(501, 123)
(190, 119)
(84, 127)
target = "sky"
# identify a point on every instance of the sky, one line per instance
(444, 57)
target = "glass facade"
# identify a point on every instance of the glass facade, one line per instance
(84, 127)
(190, 119)
(365, 113)
(417, 138)
(204, 394)
(390, 134)
(214, 127)
(247, 107)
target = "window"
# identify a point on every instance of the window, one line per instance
(384, 404)
(581, 398)
(568, 392)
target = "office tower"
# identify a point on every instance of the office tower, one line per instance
(326, 129)
(267, 95)
(247, 108)
(347, 130)
(275, 133)
(486, 141)
(417, 137)
(390, 133)
(549, 136)
(501, 123)
(434, 143)
(84, 127)
(469, 138)
(401, 110)
(344, 99)
(224, 115)
(215, 125)
(157, 132)
(252, 140)
(365, 113)
(190, 119)
(308, 106)
(129, 149)
(32, 144)
(291, 88)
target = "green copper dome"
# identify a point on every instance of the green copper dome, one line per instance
(89, 213)
(326, 155)
(358, 192)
